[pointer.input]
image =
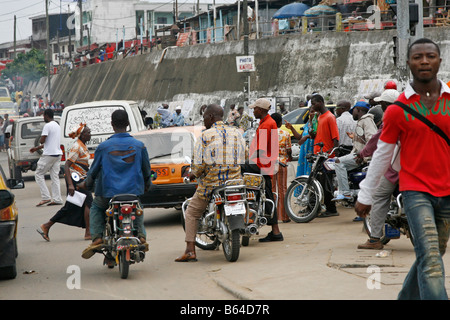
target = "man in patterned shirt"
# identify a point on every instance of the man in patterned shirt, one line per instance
(217, 158)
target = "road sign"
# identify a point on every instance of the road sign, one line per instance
(245, 64)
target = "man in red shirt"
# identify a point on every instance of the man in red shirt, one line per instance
(328, 133)
(263, 155)
(424, 174)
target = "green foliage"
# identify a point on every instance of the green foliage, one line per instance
(30, 66)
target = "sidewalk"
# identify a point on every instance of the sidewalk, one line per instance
(319, 260)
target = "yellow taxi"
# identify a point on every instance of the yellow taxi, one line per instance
(170, 150)
(8, 226)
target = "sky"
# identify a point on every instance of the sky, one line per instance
(25, 9)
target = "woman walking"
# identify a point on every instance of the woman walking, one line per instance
(77, 165)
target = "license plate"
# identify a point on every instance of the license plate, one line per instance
(162, 172)
(235, 208)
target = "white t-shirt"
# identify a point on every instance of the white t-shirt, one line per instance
(52, 145)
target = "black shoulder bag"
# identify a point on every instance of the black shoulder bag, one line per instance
(430, 124)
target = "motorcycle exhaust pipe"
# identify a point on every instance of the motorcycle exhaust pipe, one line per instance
(262, 221)
(251, 229)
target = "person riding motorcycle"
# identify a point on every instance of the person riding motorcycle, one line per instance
(365, 129)
(121, 165)
(217, 157)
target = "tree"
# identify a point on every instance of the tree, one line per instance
(30, 66)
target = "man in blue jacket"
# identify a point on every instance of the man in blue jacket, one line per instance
(121, 165)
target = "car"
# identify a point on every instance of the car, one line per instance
(298, 118)
(25, 134)
(170, 150)
(8, 226)
(6, 104)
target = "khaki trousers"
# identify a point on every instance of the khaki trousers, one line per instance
(194, 212)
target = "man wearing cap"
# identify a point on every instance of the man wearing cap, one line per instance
(178, 117)
(382, 196)
(263, 155)
(365, 129)
(375, 108)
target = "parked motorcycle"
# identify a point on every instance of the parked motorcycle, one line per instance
(304, 197)
(122, 246)
(256, 216)
(223, 221)
(395, 223)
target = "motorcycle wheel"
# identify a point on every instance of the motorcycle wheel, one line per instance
(124, 265)
(368, 230)
(302, 211)
(231, 246)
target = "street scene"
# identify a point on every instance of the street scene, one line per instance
(237, 154)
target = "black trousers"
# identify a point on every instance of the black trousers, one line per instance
(253, 168)
(325, 178)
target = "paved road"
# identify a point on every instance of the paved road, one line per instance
(317, 260)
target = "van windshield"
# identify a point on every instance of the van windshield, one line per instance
(98, 119)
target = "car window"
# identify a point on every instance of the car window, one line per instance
(296, 117)
(31, 130)
(4, 92)
(168, 146)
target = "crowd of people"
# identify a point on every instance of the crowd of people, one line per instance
(364, 130)
(29, 105)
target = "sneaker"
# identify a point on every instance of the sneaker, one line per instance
(272, 237)
(372, 243)
(342, 197)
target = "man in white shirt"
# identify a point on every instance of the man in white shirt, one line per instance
(345, 123)
(49, 160)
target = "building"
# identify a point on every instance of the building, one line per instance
(109, 21)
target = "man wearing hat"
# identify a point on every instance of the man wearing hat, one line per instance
(365, 129)
(178, 117)
(375, 108)
(263, 155)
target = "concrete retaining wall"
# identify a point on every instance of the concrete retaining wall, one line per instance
(338, 65)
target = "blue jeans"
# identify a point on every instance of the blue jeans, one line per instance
(429, 221)
(97, 219)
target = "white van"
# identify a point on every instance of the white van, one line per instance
(97, 116)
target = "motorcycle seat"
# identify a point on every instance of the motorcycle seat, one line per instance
(125, 197)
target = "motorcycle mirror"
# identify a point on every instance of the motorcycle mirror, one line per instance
(75, 176)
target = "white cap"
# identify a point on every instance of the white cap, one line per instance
(261, 103)
(389, 95)
(178, 108)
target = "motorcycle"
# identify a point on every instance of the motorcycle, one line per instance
(122, 246)
(223, 220)
(396, 222)
(305, 196)
(256, 198)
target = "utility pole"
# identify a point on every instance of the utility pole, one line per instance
(48, 49)
(15, 26)
(81, 22)
(70, 38)
(403, 36)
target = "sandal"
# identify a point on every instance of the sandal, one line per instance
(187, 257)
(43, 234)
(42, 203)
